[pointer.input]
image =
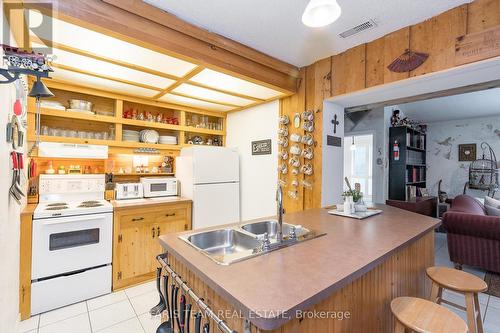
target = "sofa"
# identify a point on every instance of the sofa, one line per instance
(473, 236)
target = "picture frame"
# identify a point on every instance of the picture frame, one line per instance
(467, 152)
(424, 192)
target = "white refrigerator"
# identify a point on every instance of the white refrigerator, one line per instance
(210, 176)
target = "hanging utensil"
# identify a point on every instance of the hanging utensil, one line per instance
(188, 317)
(197, 323)
(182, 313)
(158, 308)
(206, 328)
(166, 327)
(176, 309)
(172, 308)
(14, 189)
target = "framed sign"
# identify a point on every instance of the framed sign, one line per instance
(467, 152)
(261, 147)
(334, 141)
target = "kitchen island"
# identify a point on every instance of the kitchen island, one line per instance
(340, 282)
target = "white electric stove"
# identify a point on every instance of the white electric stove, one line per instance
(72, 241)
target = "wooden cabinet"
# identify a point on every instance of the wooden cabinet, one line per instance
(135, 240)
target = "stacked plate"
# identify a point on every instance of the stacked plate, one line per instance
(149, 136)
(168, 140)
(129, 135)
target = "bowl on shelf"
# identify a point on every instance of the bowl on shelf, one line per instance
(129, 135)
(149, 136)
(79, 104)
(167, 140)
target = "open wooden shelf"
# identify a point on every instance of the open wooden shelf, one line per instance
(111, 143)
(77, 115)
(117, 104)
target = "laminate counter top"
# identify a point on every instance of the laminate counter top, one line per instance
(297, 277)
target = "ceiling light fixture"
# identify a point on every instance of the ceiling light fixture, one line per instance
(319, 13)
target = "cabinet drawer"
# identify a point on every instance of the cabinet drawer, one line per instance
(170, 214)
(137, 218)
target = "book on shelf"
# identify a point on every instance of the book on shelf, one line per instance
(411, 192)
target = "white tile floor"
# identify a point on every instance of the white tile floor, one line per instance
(127, 311)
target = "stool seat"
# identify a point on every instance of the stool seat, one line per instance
(454, 279)
(424, 316)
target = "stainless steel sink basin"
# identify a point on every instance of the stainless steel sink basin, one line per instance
(232, 244)
(271, 227)
(223, 241)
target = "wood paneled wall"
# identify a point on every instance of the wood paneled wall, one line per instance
(365, 66)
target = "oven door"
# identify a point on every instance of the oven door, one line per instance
(68, 244)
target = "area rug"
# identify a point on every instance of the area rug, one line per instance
(493, 281)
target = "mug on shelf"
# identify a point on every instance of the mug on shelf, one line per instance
(283, 142)
(307, 153)
(283, 131)
(284, 120)
(295, 150)
(283, 155)
(308, 126)
(307, 139)
(294, 162)
(295, 137)
(283, 168)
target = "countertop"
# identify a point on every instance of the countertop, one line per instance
(299, 276)
(144, 202)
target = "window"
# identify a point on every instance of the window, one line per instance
(358, 163)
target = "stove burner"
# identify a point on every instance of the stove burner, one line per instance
(57, 204)
(90, 202)
(89, 205)
(56, 208)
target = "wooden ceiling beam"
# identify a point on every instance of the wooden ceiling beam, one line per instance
(164, 18)
(122, 24)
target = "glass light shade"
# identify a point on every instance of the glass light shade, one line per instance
(319, 13)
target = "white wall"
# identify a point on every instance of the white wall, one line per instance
(333, 157)
(443, 139)
(259, 172)
(9, 221)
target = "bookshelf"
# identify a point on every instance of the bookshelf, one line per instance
(407, 175)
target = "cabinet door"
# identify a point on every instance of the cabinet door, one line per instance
(136, 237)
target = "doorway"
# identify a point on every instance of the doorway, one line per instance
(358, 163)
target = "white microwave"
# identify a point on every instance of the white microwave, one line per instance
(159, 187)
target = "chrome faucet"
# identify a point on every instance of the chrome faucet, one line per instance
(281, 211)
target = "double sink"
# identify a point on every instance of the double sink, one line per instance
(232, 244)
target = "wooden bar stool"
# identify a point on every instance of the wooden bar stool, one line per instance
(423, 316)
(467, 284)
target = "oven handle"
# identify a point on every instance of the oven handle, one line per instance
(72, 219)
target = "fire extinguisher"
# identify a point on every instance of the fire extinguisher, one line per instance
(395, 151)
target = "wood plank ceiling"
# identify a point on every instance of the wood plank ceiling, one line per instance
(94, 59)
